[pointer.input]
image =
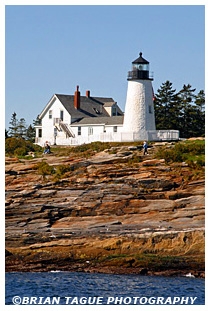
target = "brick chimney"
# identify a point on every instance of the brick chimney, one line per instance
(77, 98)
(87, 93)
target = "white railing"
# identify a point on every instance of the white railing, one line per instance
(160, 135)
(163, 135)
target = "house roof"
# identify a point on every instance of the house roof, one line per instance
(115, 120)
(89, 106)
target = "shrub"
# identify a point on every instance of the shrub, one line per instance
(60, 171)
(43, 168)
(192, 152)
(20, 151)
(20, 147)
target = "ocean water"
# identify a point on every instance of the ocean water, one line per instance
(78, 288)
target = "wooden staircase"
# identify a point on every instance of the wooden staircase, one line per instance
(67, 130)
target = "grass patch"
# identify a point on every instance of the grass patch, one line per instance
(90, 149)
(191, 152)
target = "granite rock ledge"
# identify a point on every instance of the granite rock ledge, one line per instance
(108, 215)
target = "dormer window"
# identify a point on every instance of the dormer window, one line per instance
(114, 111)
(96, 110)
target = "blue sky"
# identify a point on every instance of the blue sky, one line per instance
(51, 49)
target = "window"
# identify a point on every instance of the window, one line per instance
(79, 130)
(39, 132)
(50, 114)
(61, 115)
(90, 130)
(96, 110)
(114, 111)
(115, 129)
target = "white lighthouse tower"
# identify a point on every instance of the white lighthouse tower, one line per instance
(139, 109)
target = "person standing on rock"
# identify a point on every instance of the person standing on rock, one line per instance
(145, 147)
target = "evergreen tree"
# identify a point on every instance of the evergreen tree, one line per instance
(37, 121)
(200, 113)
(30, 133)
(13, 129)
(6, 134)
(22, 128)
(18, 128)
(166, 107)
(183, 111)
(200, 100)
(187, 120)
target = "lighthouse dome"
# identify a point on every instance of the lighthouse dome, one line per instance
(140, 60)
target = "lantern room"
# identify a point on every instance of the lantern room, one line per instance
(140, 69)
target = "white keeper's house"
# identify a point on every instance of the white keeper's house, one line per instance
(76, 119)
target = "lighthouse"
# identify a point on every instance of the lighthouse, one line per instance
(139, 109)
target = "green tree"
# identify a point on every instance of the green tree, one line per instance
(200, 104)
(30, 133)
(6, 134)
(200, 100)
(183, 111)
(21, 128)
(37, 121)
(192, 120)
(13, 128)
(200, 114)
(167, 107)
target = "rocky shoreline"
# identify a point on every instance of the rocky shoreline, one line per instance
(107, 214)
